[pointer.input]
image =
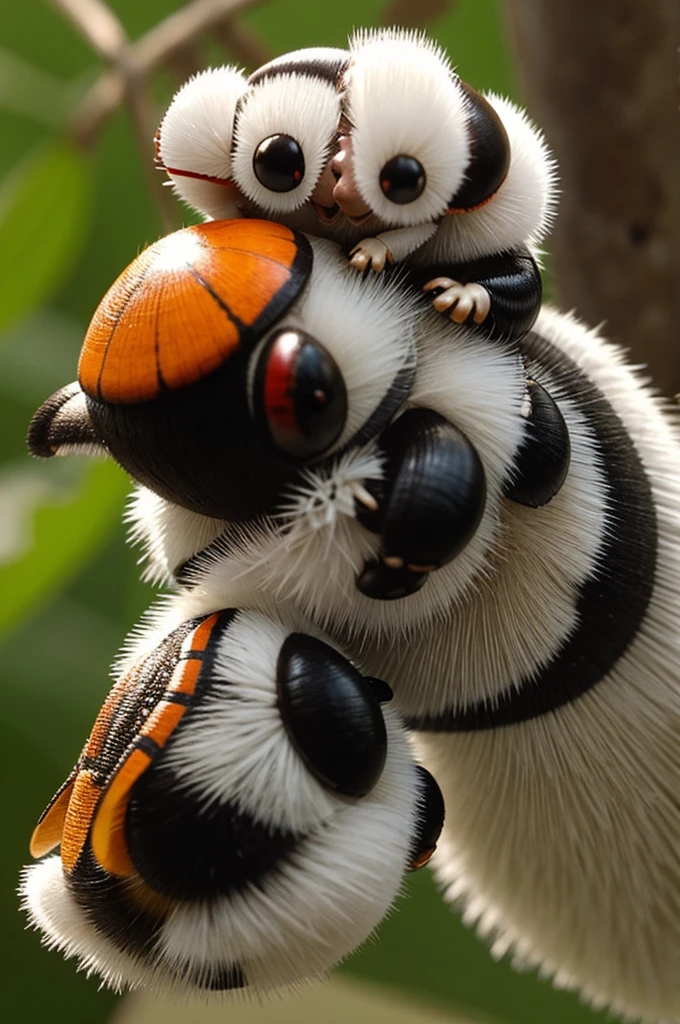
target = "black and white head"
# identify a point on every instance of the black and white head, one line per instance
(257, 145)
(241, 818)
(227, 413)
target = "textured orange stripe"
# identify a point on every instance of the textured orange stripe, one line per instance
(108, 832)
(189, 677)
(199, 640)
(48, 832)
(264, 236)
(100, 729)
(194, 333)
(84, 799)
(163, 721)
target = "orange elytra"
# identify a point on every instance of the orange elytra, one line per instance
(186, 304)
(136, 721)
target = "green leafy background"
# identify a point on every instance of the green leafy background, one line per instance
(69, 588)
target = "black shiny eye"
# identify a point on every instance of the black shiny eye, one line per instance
(279, 163)
(332, 715)
(430, 820)
(299, 396)
(402, 179)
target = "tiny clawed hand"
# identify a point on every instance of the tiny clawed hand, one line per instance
(370, 252)
(460, 300)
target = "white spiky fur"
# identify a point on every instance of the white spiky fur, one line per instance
(402, 97)
(563, 833)
(279, 558)
(306, 108)
(308, 912)
(196, 134)
(366, 328)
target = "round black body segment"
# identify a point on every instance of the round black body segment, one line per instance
(433, 493)
(383, 583)
(279, 163)
(542, 461)
(332, 715)
(489, 153)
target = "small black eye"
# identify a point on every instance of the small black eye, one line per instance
(299, 395)
(279, 163)
(402, 179)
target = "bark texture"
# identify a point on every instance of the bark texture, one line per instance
(601, 78)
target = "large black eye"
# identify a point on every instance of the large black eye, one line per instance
(279, 163)
(299, 395)
(332, 716)
(402, 179)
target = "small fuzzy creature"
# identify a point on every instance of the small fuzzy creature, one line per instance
(383, 148)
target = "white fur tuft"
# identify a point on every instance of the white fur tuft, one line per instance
(404, 100)
(301, 106)
(196, 135)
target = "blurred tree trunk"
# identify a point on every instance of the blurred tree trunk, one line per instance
(601, 78)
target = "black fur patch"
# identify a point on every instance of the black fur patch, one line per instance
(329, 69)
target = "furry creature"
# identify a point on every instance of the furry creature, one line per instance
(529, 631)
(240, 818)
(384, 149)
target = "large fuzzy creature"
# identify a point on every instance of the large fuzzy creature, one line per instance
(244, 810)
(539, 668)
(519, 592)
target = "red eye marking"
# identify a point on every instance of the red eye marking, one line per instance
(279, 389)
(299, 395)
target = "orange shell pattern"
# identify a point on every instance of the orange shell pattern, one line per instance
(89, 806)
(181, 308)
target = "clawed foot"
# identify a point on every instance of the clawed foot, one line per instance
(460, 300)
(370, 252)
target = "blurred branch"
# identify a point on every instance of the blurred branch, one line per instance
(126, 81)
(244, 45)
(159, 47)
(107, 37)
(602, 80)
(98, 24)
